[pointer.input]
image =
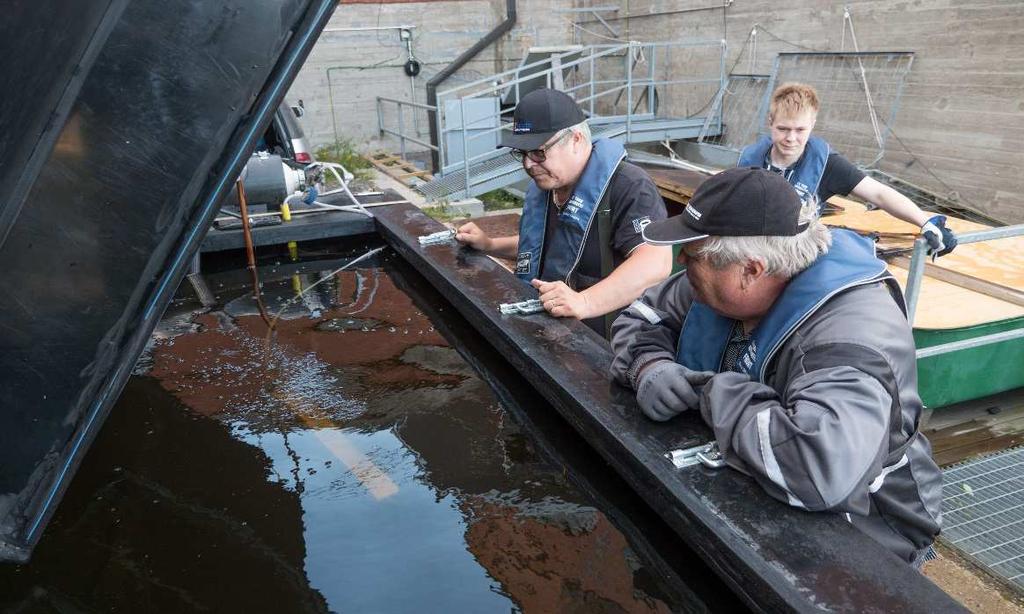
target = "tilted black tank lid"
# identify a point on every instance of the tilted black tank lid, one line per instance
(122, 126)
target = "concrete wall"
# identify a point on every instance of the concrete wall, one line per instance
(354, 67)
(962, 109)
(961, 115)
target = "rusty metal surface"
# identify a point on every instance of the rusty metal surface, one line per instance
(774, 557)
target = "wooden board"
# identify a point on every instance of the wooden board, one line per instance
(1000, 261)
(675, 184)
(979, 426)
(399, 169)
(944, 305)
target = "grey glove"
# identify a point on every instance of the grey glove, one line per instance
(668, 388)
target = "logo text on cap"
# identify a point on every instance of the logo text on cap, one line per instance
(693, 212)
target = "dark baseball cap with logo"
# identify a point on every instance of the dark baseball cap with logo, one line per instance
(539, 116)
(739, 202)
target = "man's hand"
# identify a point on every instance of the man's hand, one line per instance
(562, 301)
(471, 235)
(668, 388)
(941, 240)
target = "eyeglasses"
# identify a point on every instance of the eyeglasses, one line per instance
(540, 155)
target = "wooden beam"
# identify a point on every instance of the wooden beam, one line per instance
(970, 282)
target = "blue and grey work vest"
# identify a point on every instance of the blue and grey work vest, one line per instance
(574, 222)
(804, 176)
(850, 262)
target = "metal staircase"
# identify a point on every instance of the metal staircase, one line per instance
(624, 89)
(502, 169)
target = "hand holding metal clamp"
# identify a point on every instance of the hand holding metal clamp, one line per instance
(522, 307)
(705, 454)
(437, 238)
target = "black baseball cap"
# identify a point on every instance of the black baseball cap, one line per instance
(539, 116)
(739, 202)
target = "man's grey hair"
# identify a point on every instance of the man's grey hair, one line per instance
(583, 128)
(781, 256)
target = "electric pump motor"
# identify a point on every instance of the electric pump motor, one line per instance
(268, 180)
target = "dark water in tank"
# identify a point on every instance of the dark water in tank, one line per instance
(352, 461)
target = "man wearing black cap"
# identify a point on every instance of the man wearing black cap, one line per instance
(792, 342)
(579, 240)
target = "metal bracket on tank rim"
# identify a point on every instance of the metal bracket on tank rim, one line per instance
(706, 454)
(522, 307)
(437, 238)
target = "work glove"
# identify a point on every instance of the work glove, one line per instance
(941, 240)
(668, 388)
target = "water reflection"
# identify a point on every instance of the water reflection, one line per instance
(407, 486)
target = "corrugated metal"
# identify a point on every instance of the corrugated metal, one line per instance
(983, 511)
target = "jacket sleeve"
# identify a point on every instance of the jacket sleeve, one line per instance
(820, 447)
(648, 330)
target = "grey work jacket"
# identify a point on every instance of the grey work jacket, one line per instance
(817, 432)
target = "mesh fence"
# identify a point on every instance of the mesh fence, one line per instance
(983, 511)
(738, 105)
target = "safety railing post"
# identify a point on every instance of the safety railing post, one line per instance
(442, 147)
(591, 83)
(380, 118)
(650, 80)
(401, 129)
(465, 144)
(914, 275)
(629, 92)
(722, 79)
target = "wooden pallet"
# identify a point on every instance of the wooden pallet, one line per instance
(965, 430)
(398, 168)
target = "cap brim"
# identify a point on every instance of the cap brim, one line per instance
(671, 232)
(526, 142)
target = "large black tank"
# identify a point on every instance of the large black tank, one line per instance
(123, 126)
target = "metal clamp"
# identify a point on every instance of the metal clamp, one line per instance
(706, 454)
(522, 308)
(437, 238)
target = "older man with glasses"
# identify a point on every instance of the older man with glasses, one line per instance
(579, 241)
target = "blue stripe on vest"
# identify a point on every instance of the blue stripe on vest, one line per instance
(573, 222)
(850, 262)
(804, 176)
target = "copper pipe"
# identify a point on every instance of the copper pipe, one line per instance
(250, 254)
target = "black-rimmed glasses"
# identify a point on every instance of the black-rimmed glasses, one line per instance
(539, 155)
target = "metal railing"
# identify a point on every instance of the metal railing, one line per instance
(399, 105)
(612, 83)
(913, 290)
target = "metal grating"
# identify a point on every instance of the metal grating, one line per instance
(983, 511)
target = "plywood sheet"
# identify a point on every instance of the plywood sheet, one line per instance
(944, 305)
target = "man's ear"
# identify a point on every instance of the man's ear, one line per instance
(753, 270)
